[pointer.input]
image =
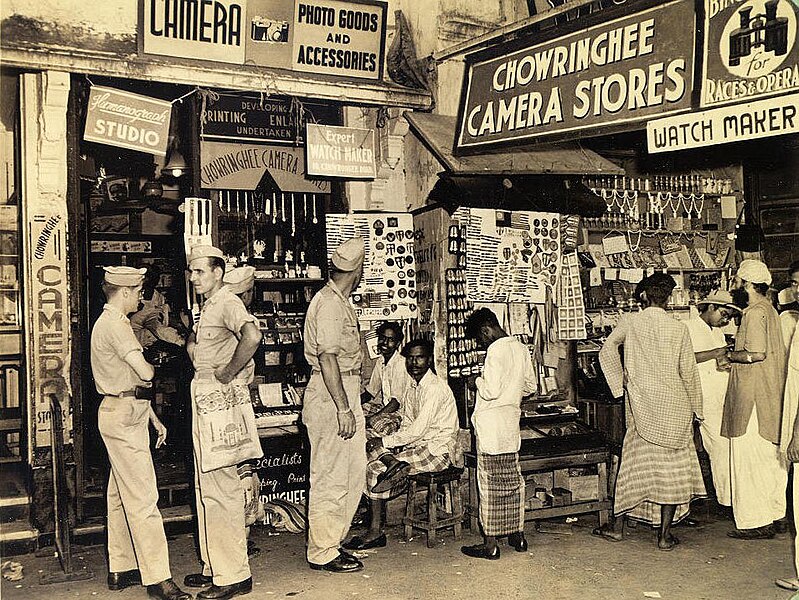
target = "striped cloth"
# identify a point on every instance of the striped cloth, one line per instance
(420, 459)
(251, 486)
(385, 424)
(501, 488)
(651, 475)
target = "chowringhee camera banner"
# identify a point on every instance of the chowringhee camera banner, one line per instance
(388, 288)
(511, 256)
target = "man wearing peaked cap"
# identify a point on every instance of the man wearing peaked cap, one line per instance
(753, 408)
(221, 347)
(137, 547)
(710, 347)
(332, 412)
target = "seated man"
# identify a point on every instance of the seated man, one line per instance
(388, 382)
(426, 440)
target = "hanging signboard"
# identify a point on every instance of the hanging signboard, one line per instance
(340, 151)
(622, 71)
(332, 37)
(750, 50)
(753, 120)
(204, 30)
(271, 119)
(127, 120)
(388, 288)
(225, 166)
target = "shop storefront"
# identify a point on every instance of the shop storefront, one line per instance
(230, 132)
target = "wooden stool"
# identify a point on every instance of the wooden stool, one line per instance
(432, 521)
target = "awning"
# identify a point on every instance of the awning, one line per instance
(437, 132)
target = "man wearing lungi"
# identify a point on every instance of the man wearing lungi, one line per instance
(753, 409)
(659, 465)
(710, 349)
(221, 347)
(137, 547)
(426, 440)
(508, 375)
(332, 412)
(389, 379)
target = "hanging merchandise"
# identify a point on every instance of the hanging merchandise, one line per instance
(388, 287)
(511, 256)
(571, 310)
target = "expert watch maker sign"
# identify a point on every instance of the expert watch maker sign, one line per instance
(625, 70)
(751, 50)
(340, 151)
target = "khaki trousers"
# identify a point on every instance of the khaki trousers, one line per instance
(220, 518)
(136, 537)
(338, 467)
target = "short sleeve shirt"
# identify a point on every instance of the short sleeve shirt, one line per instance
(112, 340)
(218, 332)
(331, 327)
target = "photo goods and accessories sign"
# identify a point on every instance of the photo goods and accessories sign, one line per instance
(332, 37)
(625, 70)
(340, 151)
(753, 120)
(127, 120)
(751, 50)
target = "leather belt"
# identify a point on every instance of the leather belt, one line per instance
(140, 393)
(350, 373)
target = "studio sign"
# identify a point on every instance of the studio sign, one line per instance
(623, 70)
(127, 120)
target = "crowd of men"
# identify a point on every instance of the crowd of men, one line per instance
(671, 374)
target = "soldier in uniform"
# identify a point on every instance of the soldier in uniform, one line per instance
(137, 548)
(332, 412)
(221, 348)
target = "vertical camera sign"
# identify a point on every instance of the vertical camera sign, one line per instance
(750, 50)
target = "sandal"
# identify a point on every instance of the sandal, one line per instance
(607, 534)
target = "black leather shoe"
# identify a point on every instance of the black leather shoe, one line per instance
(387, 479)
(197, 580)
(358, 543)
(757, 533)
(167, 590)
(222, 592)
(480, 551)
(340, 564)
(518, 542)
(123, 579)
(347, 556)
(689, 522)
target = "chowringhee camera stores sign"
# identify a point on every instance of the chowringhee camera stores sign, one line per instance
(625, 70)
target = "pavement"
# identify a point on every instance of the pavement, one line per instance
(568, 563)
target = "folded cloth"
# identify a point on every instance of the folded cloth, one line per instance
(287, 515)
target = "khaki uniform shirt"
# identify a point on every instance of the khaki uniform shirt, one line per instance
(112, 340)
(332, 327)
(218, 332)
(759, 384)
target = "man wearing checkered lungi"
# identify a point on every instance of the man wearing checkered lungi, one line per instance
(508, 375)
(425, 441)
(659, 473)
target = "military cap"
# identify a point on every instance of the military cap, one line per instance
(124, 276)
(349, 255)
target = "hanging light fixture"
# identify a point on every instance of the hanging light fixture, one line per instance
(176, 166)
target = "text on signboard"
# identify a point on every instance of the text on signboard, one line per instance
(197, 20)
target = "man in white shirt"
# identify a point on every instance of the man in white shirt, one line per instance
(710, 346)
(388, 382)
(425, 442)
(508, 375)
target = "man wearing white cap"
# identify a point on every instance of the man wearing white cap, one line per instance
(221, 348)
(137, 548)
(753, 408)
(332, 412)
(710, 349)
(788, 300)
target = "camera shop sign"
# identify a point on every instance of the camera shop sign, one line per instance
(333, 37)
(753, 120)
(127, 120)
(750, 50)
(625, 70)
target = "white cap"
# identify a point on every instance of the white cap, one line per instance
(349, 255)
(754, 271)
(124, 276)
(240, 279)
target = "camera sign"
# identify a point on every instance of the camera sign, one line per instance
(750, 50)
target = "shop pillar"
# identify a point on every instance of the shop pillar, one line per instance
(44, 96)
